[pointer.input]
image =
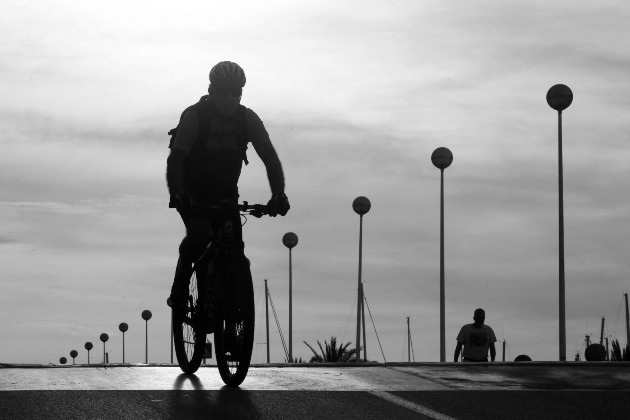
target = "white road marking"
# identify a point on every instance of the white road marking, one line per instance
(411, 406)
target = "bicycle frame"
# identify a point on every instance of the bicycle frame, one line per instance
(221, 301)
(212, 268)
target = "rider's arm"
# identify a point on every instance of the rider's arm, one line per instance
(187, 133)
(457, 350)
(493, 339)
(262, 144)
(493, 352)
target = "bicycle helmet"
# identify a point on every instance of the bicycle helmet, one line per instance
(227, 74)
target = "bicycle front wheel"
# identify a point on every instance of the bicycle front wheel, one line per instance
(189, 332)
(234, 325)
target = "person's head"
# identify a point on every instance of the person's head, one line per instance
(227, 80)
(479, 316)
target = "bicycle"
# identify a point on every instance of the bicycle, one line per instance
(220, 301)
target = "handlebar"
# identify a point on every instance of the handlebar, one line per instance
(256, 210)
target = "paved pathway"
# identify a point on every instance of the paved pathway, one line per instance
(396, 391)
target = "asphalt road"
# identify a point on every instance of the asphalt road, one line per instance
(396, 391)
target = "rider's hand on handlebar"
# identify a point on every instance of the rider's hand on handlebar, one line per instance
(278, 205)
(182, 202)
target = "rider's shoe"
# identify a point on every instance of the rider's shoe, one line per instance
(177, 301)
(178, 306)
(179, 289)
(178, 297)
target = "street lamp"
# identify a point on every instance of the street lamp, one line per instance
(361, 205)
(123, 327)
(146, 315)
(104, 337)
(73, 354)
(442, 159)
(559, 97)
(290, 240)
(88, 347)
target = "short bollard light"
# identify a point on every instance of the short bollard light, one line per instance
(73, 354)
(104, 337)
(88, 347)
(123, 327)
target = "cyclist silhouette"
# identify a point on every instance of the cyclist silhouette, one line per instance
(204, 165)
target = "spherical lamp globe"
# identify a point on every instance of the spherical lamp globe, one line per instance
(559, 97)
(361, 205)
(290, 239)
(442, 158)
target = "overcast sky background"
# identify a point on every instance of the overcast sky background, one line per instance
(356, 95)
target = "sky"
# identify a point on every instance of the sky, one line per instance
(355, 95)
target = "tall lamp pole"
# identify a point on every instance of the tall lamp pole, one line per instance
(442, 159)
(290, 240)
(559, 97)
(123, 327)
(267, 316)
(625, 295)
(146, 315)
(361, 205)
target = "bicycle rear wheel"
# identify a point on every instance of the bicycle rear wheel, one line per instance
(189, 333)
(234, 325)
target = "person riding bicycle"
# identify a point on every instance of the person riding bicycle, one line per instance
(205, 161)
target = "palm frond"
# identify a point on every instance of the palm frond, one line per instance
(331, 352)
(619, 354)
(316, 358)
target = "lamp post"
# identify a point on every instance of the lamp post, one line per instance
(267, 316)
(559, 97)
(290, 240)
(104, 337)
(442, 159)
(88, 347)
(123, 327)
(73, 354)
(146, 315)
(361, 205)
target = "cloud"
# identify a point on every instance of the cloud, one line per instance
(356, 97)
(48, 207)
(6, 240)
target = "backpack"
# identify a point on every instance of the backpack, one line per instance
(204, 125)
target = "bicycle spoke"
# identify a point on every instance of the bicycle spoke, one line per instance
(189, 340)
